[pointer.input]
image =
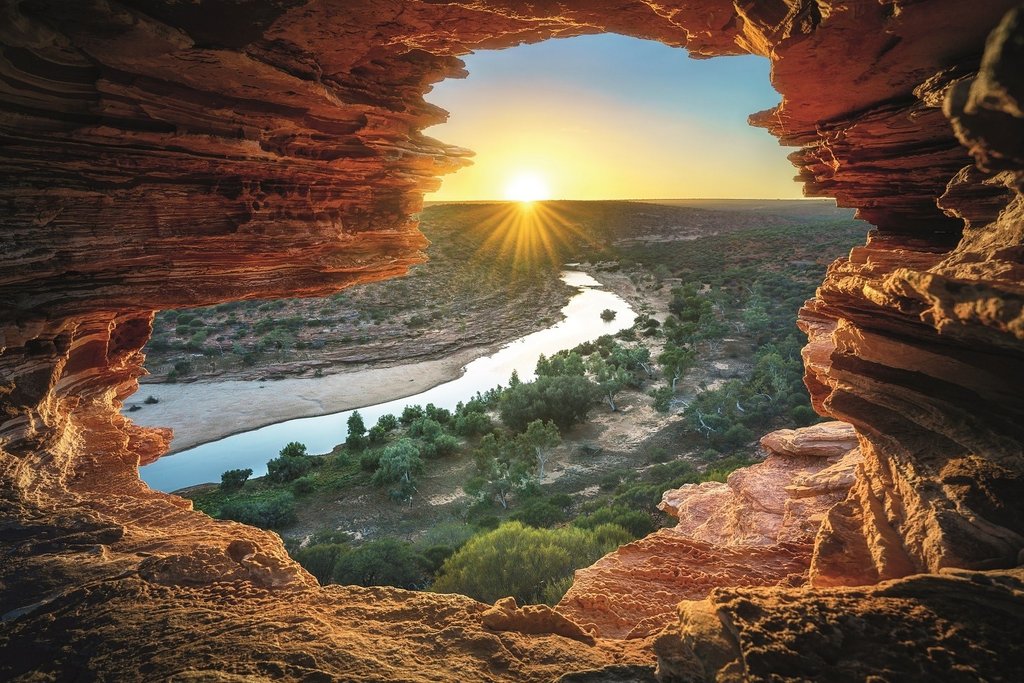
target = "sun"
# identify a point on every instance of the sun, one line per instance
(526, 187)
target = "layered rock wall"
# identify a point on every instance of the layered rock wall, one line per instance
(160, 154)
(755, 529)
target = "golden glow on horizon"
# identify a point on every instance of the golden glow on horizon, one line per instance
(529, 235)
(526, 187)
(589, 148)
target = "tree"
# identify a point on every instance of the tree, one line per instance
(607, 315)
(564, 400)
(397, 465)
(541, 436)
(293, 449)
(356, 439)
(561, 363)
(662, 399)
(676, 362)
(233, 480)
(610, 379)
(320, 559)
(499, 479)
(385, 562)
(291, 464)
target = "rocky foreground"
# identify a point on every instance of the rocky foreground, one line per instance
(161, 155)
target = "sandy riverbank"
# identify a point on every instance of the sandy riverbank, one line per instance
(206, 411)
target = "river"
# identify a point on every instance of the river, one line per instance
(582, 322)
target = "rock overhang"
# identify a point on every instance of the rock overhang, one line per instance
(164, 154)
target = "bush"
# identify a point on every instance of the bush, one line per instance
(386, 562)
(233, 480)
(303, 486)
(398, 463)
(441, 415)
(410, 414)
(636, 522)
(293, 449)
(369, 461)
(150, 400)
(387, 422)
(564, 400)
(319, 560)
(662, 398)
(292, 463)
(523, 562)
(472, 424)
(376, 436)
(272, 512)
(540, 514)
(607, 315)
(446, 444)
(425, 428)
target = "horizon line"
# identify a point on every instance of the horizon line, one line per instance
(639, 199)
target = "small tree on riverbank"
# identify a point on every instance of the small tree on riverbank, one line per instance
(356, 439)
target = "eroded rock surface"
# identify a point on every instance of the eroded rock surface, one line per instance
(162, 154)
(756, 529)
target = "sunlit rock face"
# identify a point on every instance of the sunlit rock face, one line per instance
(756, 529)
(161, 154)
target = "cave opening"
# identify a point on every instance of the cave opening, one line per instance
(685, 314)
(158, 160)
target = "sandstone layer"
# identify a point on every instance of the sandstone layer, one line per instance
(161, 154)
(756, 529)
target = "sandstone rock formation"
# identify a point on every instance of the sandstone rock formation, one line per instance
(160, 154)
(757, 529)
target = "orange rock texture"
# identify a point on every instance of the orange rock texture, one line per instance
(159, 154)
(757, 529)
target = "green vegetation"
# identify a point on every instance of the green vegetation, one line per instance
(233, 480)
(527, 563)
(543, 495)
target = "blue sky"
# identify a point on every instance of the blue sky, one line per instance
(609, 116)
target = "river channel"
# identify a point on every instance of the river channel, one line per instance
(252, 449)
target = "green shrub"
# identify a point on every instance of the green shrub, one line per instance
(303, 486)
(554, 591)
(410, 414)
(426, 428)
(376, 436)
(319, 560)
(370, 460)
(232, 480)
(271, 512)
(446, 444)
(636, 522)
(356, 439)
(385, 562)
(662, 398)
(521, 561)
(540, 514)
(564, 400)
(290, 465)
(387, 422)
(440, 415)
(472, 424)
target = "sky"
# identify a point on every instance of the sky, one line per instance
(610, 117)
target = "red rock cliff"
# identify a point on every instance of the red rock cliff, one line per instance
(160, 154)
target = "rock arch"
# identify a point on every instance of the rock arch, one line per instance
(160, 154)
